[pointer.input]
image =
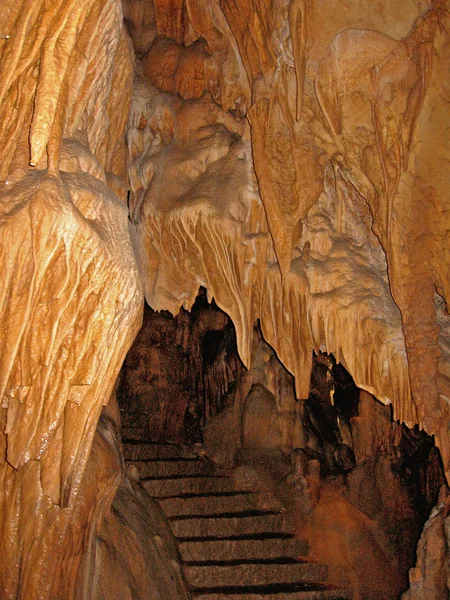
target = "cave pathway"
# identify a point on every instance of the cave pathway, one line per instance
(229, 547)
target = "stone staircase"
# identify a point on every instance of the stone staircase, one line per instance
(229, 548)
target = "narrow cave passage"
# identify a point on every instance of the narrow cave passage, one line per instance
(179, 373)
(253, 480)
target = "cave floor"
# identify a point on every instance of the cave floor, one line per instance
(231, 544)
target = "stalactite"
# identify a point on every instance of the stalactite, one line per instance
(331, 142)
(288, 156)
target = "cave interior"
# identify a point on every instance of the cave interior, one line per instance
(225, 276)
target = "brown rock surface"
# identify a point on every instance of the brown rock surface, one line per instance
(289, 156)
(430, 578)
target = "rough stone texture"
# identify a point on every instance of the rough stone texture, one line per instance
(378, 480)
(315, 199)
(341, 245)
(430, 579)
(243, 549)
(133, 553)
(70, 292)
(289, 156)
(234, 550)
(176, 374)
(251, 574)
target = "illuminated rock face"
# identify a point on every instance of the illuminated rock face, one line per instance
(291, 157)
(312, 193)
(70, 291)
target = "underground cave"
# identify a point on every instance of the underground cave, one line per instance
(224, 326)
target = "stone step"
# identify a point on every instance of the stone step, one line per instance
(163, 487)
(234, 524)
(301, 591)
(133, 433)
(194, 504)
(242, 548)
(229, 547)
(139, 450)
(173, 467)
(253, 573)
(133, 420)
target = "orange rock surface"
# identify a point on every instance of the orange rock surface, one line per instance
(70, 291)
(289, 156)
(325, 213)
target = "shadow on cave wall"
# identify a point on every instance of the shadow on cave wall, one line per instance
(337, 453)
(177, 373)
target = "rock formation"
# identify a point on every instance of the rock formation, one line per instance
(289, 156)
(318, 229)
(70, 289)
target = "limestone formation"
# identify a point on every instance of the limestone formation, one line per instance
(70, 290)
(289, 156)
(324, 213)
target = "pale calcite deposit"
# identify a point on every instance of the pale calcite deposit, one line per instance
(70, 291)
(325, 214)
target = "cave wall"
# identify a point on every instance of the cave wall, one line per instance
(280, 158)
(71, 299)
(356, 485)
(178, 374)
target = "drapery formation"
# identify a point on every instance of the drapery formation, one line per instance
(70, 293)
(289, 156)
(303, 182)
